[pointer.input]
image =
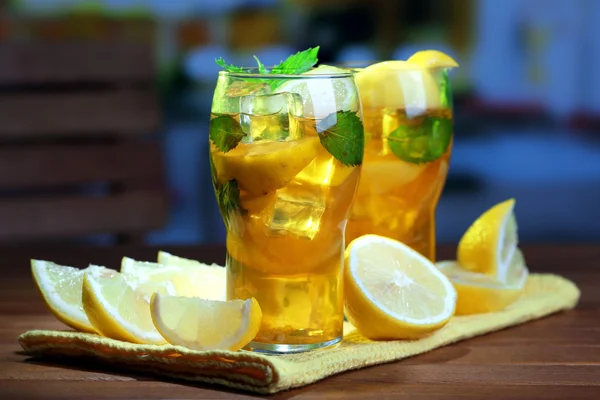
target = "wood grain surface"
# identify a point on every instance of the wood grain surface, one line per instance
(555, 357)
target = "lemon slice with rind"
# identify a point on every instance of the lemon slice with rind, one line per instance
(432, 59)
(188, 277)
(490, 243)
(480, 293)
(60, 287)
(200, 324)
(393, 292)
(119, 310)
(260, 168)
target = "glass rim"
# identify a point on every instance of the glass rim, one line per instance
(358, 65)
(252, 72)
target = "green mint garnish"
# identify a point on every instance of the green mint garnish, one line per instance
(295, 64)
(225, 132)
(298, 63)
(228, 67)
(424, 142)
(228, 199)
(261, 67)
(445, 91)
(227, 194)
(342, 135)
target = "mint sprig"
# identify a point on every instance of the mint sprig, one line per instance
(342, 135)
(225, 132)
(261, 67)
(295, 64)
(228, 67)
(424, 142)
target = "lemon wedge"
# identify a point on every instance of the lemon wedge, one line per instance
(490, 243)
(60, 287)
(480, 293)
(393, 292)
(119, 310)
(262, 167)
(200, 324)
(187, 277)
(432, 59)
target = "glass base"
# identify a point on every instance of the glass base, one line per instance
(275, 349)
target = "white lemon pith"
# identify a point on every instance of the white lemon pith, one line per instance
(201, 324)
(393, 292)
(60, 287)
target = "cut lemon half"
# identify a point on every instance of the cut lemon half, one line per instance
(119, 310)
(262, 167)
(432, 59)
(60, 287)
(480, 293)
(393, 292)
(489, 244)
(200, 324)
(187, 277)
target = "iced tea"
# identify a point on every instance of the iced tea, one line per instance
(285, 191)
(408, 128)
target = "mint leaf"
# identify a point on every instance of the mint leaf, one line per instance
(225, 132)
(228, 67)
(228, 199)
(342, 135)
(445, 91)
(298, 63)
(423, 142)
(261, 66)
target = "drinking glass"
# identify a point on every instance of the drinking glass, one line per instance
(285, 153)
(408, 123)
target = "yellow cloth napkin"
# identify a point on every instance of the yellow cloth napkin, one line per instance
(544, 294)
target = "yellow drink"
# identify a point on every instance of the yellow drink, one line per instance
(407, 114)
(397, 198)
(285, 243)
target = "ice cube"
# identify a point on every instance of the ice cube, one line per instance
(271, 116)
(226, 99)
(322, 96)
(297, 211)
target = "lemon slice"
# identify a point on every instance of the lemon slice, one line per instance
(187, 277)
(148, 277)
(489, 244)
(262, 167)
(432, 59)
(119, 310)
(480, 293)
(393, 292)
(200, 324)
(60, 287)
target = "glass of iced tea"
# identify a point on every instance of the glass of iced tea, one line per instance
(285, 154)
(408, 121)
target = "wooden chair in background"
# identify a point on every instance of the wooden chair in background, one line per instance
(79, 151)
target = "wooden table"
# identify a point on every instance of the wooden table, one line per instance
(555, 357)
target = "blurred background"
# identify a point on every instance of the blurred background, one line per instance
(104, 107)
